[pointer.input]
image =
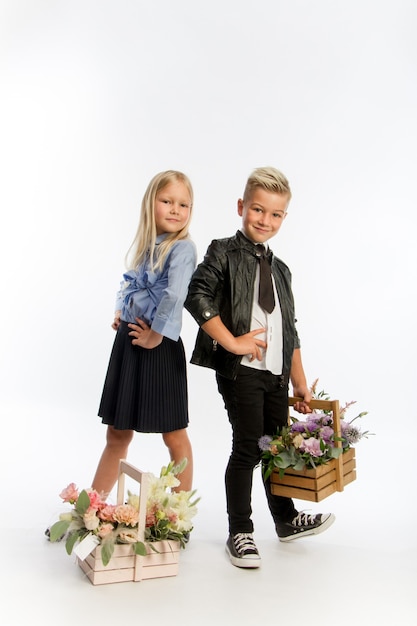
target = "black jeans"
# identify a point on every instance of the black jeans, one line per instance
(256, 403)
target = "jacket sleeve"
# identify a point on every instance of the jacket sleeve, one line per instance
(206, 284)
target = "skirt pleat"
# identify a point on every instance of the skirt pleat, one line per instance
(145, 390)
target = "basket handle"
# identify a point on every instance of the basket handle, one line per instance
(329, 405)
(126, 469)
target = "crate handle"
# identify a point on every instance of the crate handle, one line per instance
(126, 469)
(329, 405)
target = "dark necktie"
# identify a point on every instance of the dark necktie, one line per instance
(266, 293)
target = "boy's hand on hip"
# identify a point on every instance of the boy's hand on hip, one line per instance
(250, 345)
(244, 344)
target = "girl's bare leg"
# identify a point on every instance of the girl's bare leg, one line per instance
(179, 447)
(117, 444)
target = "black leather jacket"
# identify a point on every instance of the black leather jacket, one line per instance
(223, 284)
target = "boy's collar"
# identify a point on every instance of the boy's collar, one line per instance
(253, 242)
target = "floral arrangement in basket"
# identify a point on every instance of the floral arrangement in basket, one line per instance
(310, 442)
(168, 516)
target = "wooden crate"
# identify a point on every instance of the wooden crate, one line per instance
(316, 484)
(125, 565)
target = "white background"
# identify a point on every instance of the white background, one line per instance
(98, 96)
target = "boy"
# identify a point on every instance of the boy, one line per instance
(247, 334)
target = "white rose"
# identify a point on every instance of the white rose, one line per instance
(91, 520)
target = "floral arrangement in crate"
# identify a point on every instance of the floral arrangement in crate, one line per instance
(168, 516)
(310, 442)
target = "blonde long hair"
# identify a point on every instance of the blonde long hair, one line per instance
(145, 238)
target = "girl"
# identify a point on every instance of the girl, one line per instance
(145, 389)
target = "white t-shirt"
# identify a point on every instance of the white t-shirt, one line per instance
(271, 357)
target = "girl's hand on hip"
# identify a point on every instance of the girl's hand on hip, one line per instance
(116, 321)
(144, 336)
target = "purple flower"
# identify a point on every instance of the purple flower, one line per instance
(326, 433)
(298, 427)
(327, 419)
(344, 426)
(313, 421)
(317, 420)
(264, 443)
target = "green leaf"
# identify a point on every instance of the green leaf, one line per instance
(300, 464)
(107, 549)
(283, 460)
(279, 463)
(71, 541)
(140, 548)
(58, 530)
(267, 472)
(178, 469)
(83, 502)
(335, 452)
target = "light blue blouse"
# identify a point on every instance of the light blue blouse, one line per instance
(157, 297)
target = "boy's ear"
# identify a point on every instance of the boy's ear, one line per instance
(240, 207)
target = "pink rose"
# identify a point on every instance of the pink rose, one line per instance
(95, 499)
(151, 511)
(150, 519)
(107, 512)
(69, 494)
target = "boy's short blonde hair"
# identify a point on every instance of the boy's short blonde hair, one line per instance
(267, 178)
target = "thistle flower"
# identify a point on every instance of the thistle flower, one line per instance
(265, 442)
(352, 434)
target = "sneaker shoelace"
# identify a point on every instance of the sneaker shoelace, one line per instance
(304, 519)
(244, 542)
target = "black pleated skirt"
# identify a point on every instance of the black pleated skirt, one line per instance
(145, 390)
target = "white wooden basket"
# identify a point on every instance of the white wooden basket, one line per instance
(125, 565)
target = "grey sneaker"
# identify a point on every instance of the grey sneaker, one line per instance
(242, 550)
(303, 525)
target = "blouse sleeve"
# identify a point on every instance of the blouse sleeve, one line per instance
(181, 264)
